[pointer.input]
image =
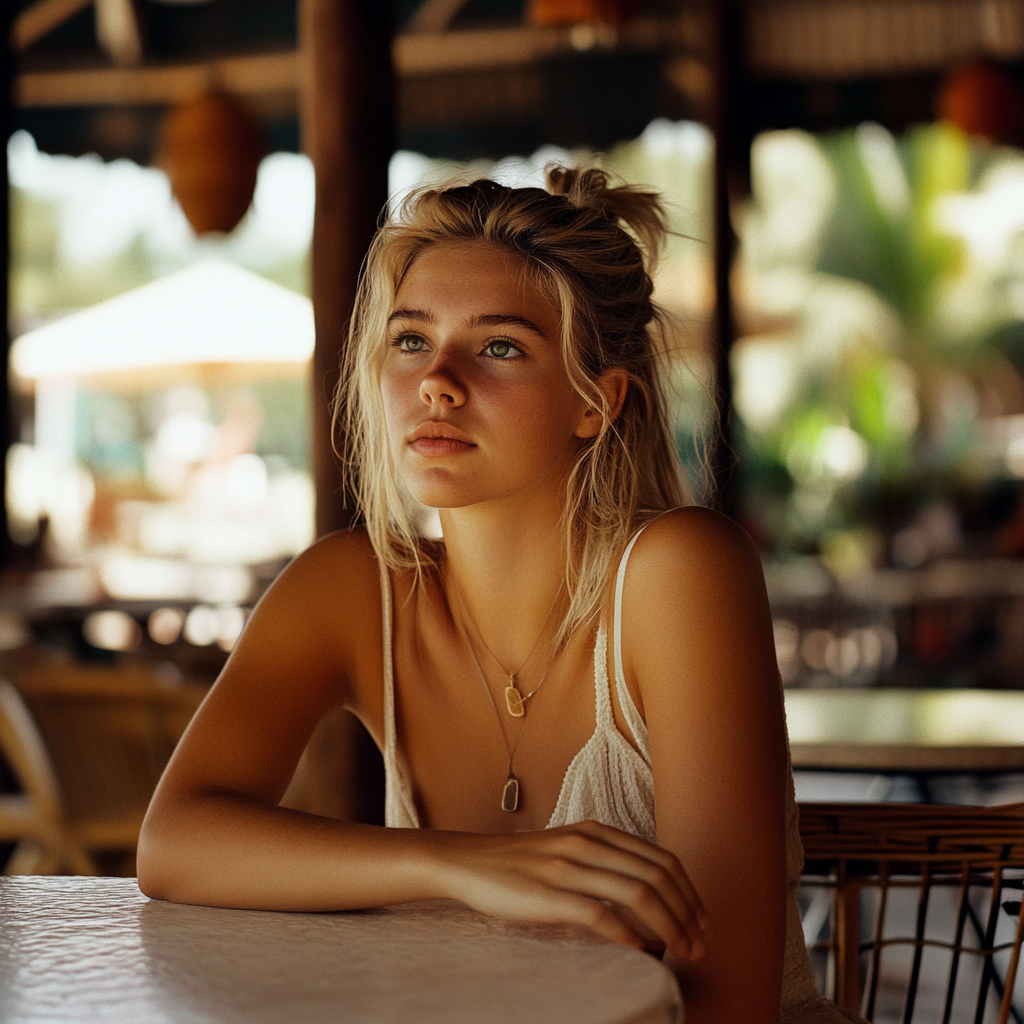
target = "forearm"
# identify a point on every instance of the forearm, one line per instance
(224, 850)
(227, 851)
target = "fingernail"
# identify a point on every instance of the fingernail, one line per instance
(697, 950)
(704, 922)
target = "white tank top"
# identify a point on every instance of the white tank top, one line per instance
(607, 781)
(610, 782)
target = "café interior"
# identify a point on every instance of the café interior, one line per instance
(192, 185)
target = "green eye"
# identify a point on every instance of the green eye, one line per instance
(411, 343)
(501, 349)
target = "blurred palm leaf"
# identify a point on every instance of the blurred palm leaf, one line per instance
(882, 230)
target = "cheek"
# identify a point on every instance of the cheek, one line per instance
(554, 404)
(394, 397)
(546, 420)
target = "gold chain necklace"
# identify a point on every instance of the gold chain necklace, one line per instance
(514, 699)
(510, 791)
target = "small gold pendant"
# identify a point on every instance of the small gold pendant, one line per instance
(510, 794)
(514, 700)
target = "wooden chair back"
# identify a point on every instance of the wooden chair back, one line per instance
(913, 911)
(87, 745)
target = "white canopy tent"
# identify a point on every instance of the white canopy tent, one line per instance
(209, 324)
(210, 313)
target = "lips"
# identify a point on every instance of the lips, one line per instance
(435, 438)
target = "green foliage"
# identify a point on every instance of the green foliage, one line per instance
(910, 291)
(883, 231)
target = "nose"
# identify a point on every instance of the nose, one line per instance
(441, 387)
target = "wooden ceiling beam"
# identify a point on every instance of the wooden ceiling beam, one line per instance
(434, 15)
(413, 54)
(42, 17)
(118, 31)
(157, 84)
(117, 26)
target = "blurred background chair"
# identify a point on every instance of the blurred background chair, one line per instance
(87, 746)
(913, 912)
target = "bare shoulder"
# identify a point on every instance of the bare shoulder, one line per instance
(689, 544)
(345, 552)
(325, 604)
(695, 606)
(339, 572)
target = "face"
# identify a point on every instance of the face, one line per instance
(478, 403)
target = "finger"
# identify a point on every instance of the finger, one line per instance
(643, 902)
(656, 855)
(652, 878)
(652, 943)
(559, 906)
(662, 873)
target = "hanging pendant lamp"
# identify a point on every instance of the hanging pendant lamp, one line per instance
(211, 148)
(982, 100)
(575, 12)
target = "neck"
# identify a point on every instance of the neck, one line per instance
(505, 572)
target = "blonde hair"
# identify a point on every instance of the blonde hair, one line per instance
(588, 244)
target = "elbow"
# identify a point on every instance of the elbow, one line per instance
(159, 862)
(150, 868)
(150, 885)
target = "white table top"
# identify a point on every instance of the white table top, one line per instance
(906, 730)
(95, 949)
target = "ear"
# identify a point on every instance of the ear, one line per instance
(613, 385)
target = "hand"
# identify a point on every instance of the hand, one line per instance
(589, 874)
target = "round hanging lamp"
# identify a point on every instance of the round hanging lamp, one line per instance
(983, 101)
(575, 12)
(211, 148)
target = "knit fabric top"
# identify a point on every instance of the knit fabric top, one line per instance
(611, 782)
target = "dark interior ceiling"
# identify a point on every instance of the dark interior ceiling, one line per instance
(592, 98)
(173, 30)
(578, 95)
(170, 33)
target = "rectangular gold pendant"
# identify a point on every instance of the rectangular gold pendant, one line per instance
(514, 701)
(510, 794)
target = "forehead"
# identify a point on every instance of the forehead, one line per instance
(477, 275)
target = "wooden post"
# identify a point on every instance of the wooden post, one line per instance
(8, 434)
(727, 66)
(847, 944)
(348, 130)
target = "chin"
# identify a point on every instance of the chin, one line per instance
(437, 487)
(437, 499)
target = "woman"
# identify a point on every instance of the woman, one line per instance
(586, 719)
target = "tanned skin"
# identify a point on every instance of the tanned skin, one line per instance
(484, 425)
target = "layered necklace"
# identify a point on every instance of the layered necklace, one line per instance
(515, 701)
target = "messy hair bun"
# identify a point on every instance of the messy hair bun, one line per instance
(589, 244)
(629, 205)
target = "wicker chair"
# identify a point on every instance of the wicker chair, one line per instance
(87, 746)
(919, 906)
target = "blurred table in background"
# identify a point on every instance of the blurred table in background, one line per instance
(954, 623)
(911, 731)
(92, 950)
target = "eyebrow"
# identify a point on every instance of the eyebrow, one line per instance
(411, 314)
(483, 320)
(500, 319)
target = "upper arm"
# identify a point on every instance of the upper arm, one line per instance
(697, 642)
(307, 642)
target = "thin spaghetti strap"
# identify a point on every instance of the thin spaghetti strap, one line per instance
(389, 668)
(636, 724)
(399, 807)
(602, 688)
(620, 579)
